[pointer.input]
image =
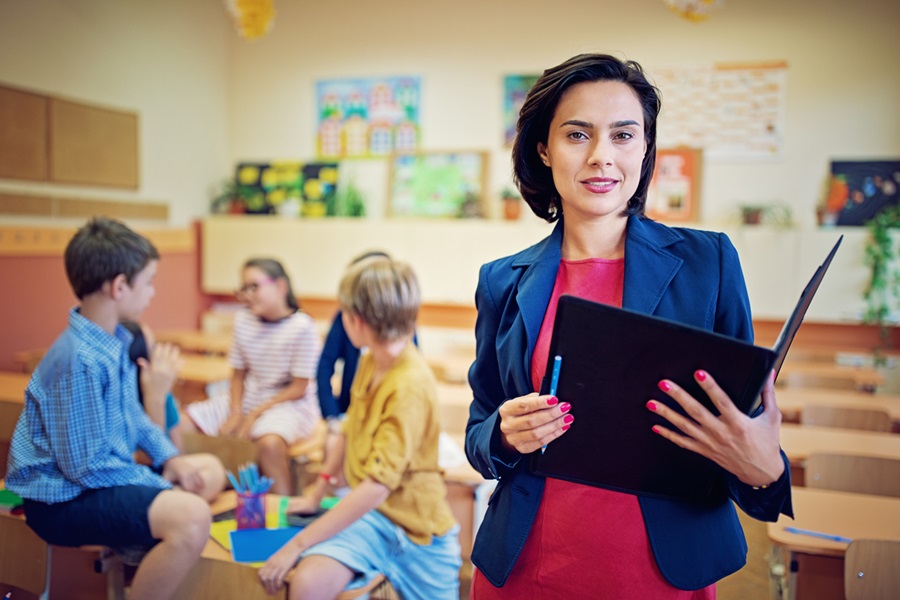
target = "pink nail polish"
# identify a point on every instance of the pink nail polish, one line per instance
(664, 386)
(565, 427)
(655, 428)
(568, 419)
(652, 406)
(565, 407)
(552, 400)
(700, 375)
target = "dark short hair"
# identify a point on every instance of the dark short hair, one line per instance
(103, 249)
(535, 179)
(273, 269)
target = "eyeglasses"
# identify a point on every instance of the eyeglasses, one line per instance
(252, 287)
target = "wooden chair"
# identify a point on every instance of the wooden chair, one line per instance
(860, 474)
(307, 456)
(870, 570)
(868, 419)
(24, 560)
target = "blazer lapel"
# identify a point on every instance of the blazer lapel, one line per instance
(649, 267)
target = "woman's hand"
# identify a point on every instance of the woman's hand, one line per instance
(748, 448)
(530, 422)
(273, 573)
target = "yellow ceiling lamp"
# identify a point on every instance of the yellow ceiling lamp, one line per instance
(693, 10)
(253, 19)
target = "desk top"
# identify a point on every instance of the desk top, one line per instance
(854, 516)
(799, 441)
(862, 377)
(198, 368)
(792, 400)
(12, 387)
(190, 340)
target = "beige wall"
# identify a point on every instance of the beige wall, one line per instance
(166, 60)
(843, 79)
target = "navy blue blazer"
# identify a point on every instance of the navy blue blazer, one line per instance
(685, 275)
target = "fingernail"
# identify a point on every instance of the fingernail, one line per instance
(655, 428)
(552, 400)
(568, 419)
(565, 407)
(664, 385)
(652, 406)
(565, 427)
(700, 375)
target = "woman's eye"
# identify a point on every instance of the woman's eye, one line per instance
(578, 135)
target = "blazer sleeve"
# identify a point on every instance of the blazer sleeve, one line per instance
(483, 447)
(733, 318)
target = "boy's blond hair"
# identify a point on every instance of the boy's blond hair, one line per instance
(384, 293)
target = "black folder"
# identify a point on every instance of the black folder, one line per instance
(612, 361)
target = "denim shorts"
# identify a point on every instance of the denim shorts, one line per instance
(115, 517)
(374, 544)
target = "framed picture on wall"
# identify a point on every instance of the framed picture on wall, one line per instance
(438, 184)
(674, 194)
(859, 189)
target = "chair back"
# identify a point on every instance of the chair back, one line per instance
(23, 556)
(870, 570)
(868, 419)
(860, 474)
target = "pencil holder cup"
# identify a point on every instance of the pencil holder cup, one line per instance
(250, 512)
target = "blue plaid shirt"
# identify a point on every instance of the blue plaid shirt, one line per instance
(82, 420)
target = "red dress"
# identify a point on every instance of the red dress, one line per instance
(586, 542)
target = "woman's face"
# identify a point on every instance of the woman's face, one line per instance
(261, 293)
(595, 149)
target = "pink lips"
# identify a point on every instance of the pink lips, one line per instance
(599, 185)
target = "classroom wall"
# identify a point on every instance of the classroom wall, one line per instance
(842, 84)
(165, 60)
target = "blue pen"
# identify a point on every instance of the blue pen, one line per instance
(554, 382)
(819, 534)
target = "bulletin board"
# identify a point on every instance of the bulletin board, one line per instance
(23, 135)
(674, 193)
(438, 184)
(92, 145)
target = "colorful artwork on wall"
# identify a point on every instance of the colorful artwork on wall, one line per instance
(515, 89)
(367, 117)
(860, 188)
(674, 193)
(291, 188)
(438, 184)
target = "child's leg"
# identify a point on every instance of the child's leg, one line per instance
(211, 471)
(319, 577)
(275, 462)
(180, 521)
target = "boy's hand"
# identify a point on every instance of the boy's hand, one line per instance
(182, 473)
(275, 571)
(159, 374)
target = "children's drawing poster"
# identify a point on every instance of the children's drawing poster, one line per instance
(515, 89)
(734, 112)
(861, 188)
(438, 184)
(367, 117)
(292, 188)
(674, 193)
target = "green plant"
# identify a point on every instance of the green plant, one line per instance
(883, 290)
(349, 201)
(234, 197)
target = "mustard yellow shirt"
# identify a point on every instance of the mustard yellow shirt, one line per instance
(392, 437)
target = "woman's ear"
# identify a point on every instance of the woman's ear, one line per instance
(542, 152)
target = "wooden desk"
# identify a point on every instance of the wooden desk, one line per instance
(791, 401)
(190, 340)
(197, 371)
(862, 378)
(12, 399)
(454, 400)
(12, 386)
(820, 562)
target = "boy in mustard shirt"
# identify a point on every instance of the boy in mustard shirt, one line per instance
(396, 520)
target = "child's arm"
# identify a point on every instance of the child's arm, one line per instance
(157, 377)
(294, 391)
(234, 419)
(365, 497)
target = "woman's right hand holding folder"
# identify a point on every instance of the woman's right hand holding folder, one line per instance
(530, 422)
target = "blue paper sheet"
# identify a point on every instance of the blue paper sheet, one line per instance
(257, 545)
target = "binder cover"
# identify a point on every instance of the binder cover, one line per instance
(612, 360)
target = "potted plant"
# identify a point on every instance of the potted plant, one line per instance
(883, 290)
(234, 198)
(512, 203)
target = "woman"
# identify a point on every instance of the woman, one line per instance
(584, 156)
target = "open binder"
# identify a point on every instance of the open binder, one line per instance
(612, 360)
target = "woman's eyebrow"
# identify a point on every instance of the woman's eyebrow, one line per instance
(589, 125)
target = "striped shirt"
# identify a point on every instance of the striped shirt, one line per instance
(271, 354)
(82, 420)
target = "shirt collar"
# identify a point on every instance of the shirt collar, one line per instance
(103, 342)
